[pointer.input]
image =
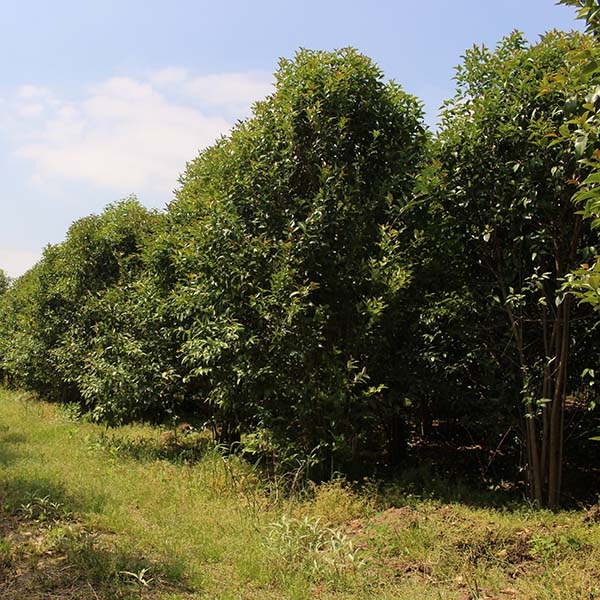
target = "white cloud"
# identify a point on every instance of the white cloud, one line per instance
(30, 109)
(35, 92)
(231, 92)
(127, 135)
(236, 91)
(169, 76)
(15, 262)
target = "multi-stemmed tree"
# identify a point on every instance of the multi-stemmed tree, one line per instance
(506, 191)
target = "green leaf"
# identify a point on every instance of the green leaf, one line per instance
(581, 145)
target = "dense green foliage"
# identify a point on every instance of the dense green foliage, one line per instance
(331, 281)
(62, 330)
(279, 250)
(519, 230)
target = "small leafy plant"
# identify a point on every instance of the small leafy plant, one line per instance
(325, 553)
(43, 510)
(140, 577)
(547, 547)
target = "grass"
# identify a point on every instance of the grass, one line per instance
(108, 514)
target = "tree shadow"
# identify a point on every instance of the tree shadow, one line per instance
(19, 491)
(9, 445)
(70, 561)
(177, 449)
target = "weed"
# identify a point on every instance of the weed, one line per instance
(548, 547)
(324, 553)
(336, 503)
(68, 413)
(43, 509)
(102, 561)
(6, 553)
(286, 468)
(177, 448)
(140, 576)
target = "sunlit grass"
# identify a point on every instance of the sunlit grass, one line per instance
(215, 528)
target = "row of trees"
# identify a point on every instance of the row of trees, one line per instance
(332, 279)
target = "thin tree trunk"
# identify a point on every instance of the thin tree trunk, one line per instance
(560, 387)
(535, 472)
(531, 435)
(558, 402)
(546, 395)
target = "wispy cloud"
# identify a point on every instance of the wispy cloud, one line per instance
(233, 93)
(127, 135)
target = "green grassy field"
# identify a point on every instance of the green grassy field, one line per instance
(95, 513)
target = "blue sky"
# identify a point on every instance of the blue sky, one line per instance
(100, 100)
